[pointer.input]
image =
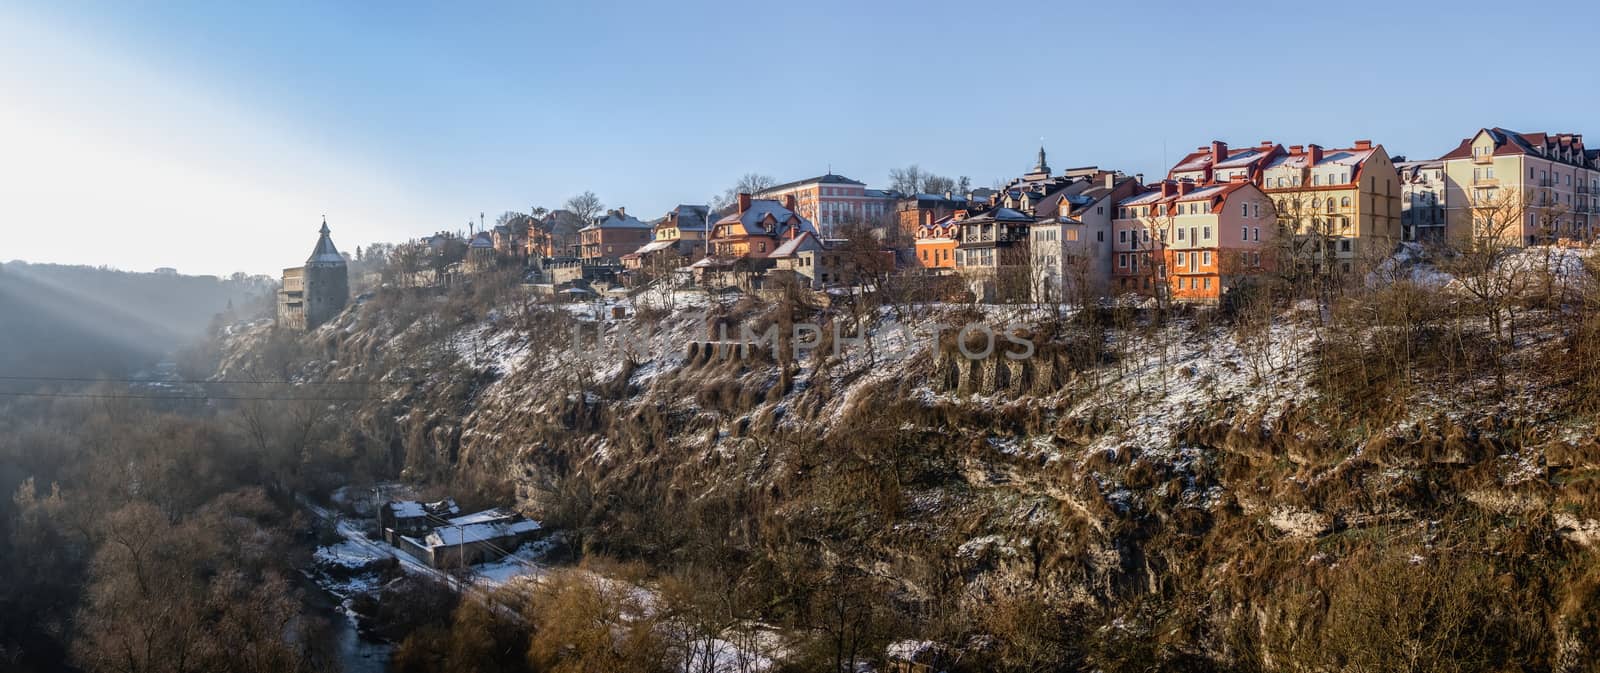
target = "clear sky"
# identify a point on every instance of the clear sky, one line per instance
(212, 137)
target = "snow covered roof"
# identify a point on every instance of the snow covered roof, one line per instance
(488, 515)
(827, 179)
(656, 245)
(325, 253)
(999, 215)
(804, 241)
(1342, 157)
(407, 509)
(618, 220)
(478, 532)
(754, 216)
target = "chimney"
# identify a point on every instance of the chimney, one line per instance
(1266, 145)
(1184, 187)
(744, 201)
(1219, 151)
(788, 202)
(622, 211)
(1315, 152)
(1110, 180)
(1139, 178)
(1297, 149)
(949, 196)
(1363, 144)
(1167, 188)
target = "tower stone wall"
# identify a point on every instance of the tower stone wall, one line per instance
(315, 293)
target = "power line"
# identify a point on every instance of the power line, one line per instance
(109, 396)
(69, 379)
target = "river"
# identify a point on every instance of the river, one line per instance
(356, 653)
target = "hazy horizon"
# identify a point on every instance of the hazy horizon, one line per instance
(213, 139)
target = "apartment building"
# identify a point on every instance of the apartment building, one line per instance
(1422, 200)
(1193, 241)
(1335, 200)
(1341, 203)
(831, 200)
(1071, 243)
(1550, 177)
(993, 254)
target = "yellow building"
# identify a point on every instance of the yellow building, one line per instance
(1552, 178)
(1347, 199)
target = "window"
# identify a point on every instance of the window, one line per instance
(1122, 260)
(1244, 233)
(1099, 210)
(1344, 245)
(1205, 258)
(1208, 283)
(1206, 233)
(1100, 237)
(1122, 236)
(1345, 202)
(1255, 233)
(1316, 180)
(1244, 210)
(1257, 209)
(1181, 260)
(1330, 204)
(1180, 233)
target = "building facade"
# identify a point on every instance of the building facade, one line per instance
(993, 254)
(1340, 203)
(677, 239)
(756, 228)
(315, 292)
(1193, 242)
(1549, 179)
(830, 201)
(1423, 202)
(936, 242)
(606, 241)
(1071, 247)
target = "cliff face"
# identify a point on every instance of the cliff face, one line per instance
(1217, 490)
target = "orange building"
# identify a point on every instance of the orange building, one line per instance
(1181, 238)
(757, 227)
(936, 242)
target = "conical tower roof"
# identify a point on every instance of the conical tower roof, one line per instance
(325, 252)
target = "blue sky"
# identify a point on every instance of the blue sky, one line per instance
(212, 137)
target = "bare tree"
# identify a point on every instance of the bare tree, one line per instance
(586, 206)
(1478, 261)
(938, 184)
(907, 180)
(749, 183)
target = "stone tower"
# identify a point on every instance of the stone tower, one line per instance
(313, 294)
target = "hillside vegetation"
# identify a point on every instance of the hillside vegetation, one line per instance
(1398, 471)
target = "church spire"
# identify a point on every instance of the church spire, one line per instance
(1042, 167)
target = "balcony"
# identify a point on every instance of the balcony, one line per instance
(1486, 183)
(1483, 158)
